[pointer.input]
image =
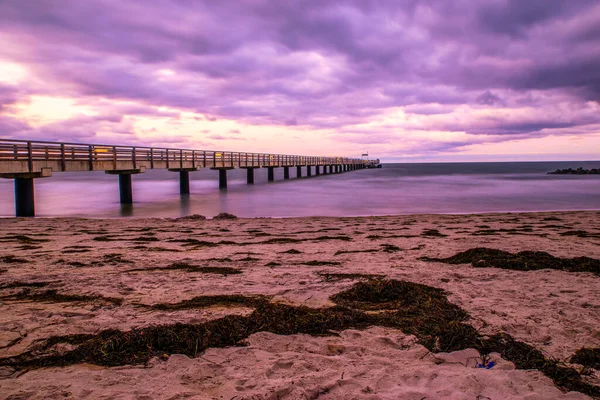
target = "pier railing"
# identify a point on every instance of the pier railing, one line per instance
(18, 156)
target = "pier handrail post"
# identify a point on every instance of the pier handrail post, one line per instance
(133, 157)
(63, 164)
(151, 158)
(181, 158)
(194, 159)
(91, 157)
(114, 157)
(29, 157)
(167, 157)
(204, 157)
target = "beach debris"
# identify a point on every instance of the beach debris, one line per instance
(192, 268)
(390, 248)
(333, 277)
(339, 252)
(234, 300)
(53, 296)
(192, 217)
(482, 257)
(291, 251)
(224, 215)
(17, 284)
(588, 357)
(10, 259)
(488, 365)
(432, 233)
(416, 309)
(314, 263)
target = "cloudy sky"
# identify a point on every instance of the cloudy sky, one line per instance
(405, 80)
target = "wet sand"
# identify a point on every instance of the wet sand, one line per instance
(125, 260)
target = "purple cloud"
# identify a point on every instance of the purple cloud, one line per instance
(319, 65)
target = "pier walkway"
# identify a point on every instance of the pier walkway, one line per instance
(25, 161)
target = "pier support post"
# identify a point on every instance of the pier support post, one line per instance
(324, 169)
(270, 174)
(250, 176)
(184, 179)
(308, 170)
(286, 172)
(222, 178)
(317, 170)
(184, 182)
(298, 171)
(125, 190)
(25, 190)
(24, 197)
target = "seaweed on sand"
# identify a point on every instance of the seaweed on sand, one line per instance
(337, 253)
(482, 257)
(291, 251)
(432, 233)
(333, 277)
(314, 263)
(192, 268)
(588, 357)
(416, 309)
(53, 296)
(226, 300)
(16, 284)
(390, 248)
(23, 239)
(10, 259)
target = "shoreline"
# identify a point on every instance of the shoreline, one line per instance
(113, 269)
(313, 216)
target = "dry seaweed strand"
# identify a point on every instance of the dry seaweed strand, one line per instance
(482, 257)
(416, 309)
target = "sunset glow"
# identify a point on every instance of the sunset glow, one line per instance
(407, 81)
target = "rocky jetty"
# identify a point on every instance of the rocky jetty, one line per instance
(578, 171)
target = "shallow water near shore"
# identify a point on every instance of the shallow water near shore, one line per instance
(430, 188)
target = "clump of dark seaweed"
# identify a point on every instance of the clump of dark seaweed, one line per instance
(337, 253)
(390, 248)
(115, 258)
(272, 264)
(23, 239)
(192, 217)
(291, 251)
(192, 268)
(249, 259)
(314, 263)
(432, 233)
(17, 284)
(581, 234)
(416, 309)
(194, 242)
(482, 257)
(10, 259)
(53, 296)
(225, 300)
(588, 357)
(333, 277)
(224, 215)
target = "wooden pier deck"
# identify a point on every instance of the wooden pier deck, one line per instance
(25, 161)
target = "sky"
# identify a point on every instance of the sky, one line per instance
(404, 80)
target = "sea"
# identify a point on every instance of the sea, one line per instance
(401, 188)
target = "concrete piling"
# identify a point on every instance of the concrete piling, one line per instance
(24, 197)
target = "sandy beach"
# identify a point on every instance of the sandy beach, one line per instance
(77, 278)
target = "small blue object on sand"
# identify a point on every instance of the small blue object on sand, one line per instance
(486, 366)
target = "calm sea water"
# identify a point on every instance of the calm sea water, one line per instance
(394, 189)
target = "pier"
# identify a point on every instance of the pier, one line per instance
(24, 161)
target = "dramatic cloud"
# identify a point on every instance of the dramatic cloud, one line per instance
(418, 77)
